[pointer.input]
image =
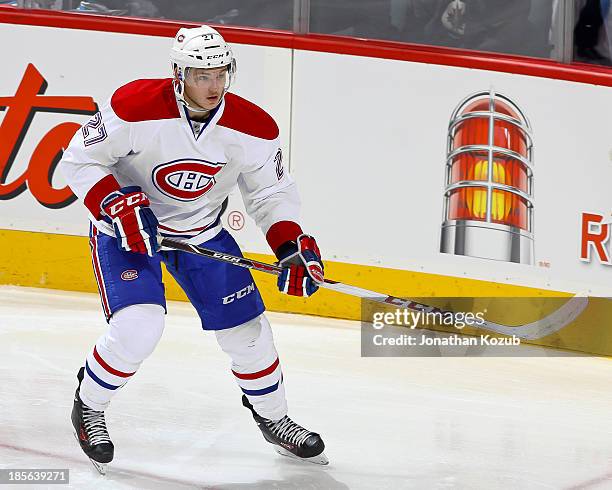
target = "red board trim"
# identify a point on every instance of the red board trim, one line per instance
(575, 72)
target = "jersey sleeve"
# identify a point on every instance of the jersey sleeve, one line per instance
(87, 162)
(271, 197)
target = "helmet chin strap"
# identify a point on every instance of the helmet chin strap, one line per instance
(198, 109)
(194, 109)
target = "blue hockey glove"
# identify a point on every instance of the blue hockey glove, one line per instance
(302, 267)
(134, 223)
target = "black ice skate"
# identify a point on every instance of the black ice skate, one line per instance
(289, 438)
(90, 430)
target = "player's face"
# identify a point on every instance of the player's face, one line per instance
(205, 86)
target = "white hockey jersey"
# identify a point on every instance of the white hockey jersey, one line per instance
(144, 137)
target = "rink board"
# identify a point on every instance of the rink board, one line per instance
(64, 262)
(363, 135)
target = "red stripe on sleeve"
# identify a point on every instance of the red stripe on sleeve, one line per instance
(281, 232)
(98, 192)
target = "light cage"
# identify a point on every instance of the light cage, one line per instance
(488, 197)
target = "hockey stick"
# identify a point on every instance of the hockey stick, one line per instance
(529, 331)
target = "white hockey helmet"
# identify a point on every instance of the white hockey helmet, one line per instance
(199, 47)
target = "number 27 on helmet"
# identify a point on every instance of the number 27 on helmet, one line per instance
(199, 47)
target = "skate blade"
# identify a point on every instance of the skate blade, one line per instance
(319, 459)
(101, 467)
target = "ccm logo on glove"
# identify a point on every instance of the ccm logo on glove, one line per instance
(130, 200)
(134, 223)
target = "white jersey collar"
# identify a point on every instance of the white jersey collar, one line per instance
(206, 126)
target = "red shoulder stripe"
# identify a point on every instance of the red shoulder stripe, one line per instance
(244, 116)
(145, 100)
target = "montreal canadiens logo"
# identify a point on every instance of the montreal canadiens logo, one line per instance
(129, 275)
(186, 180)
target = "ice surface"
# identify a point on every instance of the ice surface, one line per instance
(532, 422)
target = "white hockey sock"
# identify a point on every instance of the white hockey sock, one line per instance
(132, 335)
(255, 365)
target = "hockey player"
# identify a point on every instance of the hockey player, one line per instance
(161, 158)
